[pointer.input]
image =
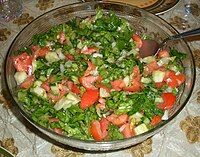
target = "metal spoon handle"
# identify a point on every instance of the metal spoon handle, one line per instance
(185, 34)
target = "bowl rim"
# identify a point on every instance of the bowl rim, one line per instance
(150, 132)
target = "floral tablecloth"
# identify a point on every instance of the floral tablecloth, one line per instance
(180, 139)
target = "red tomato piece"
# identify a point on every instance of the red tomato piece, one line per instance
(73, 87)
(69, 57)
(58, 131)
(95, 130)
(89, 50)
(90, 68)
(28, 82)
(127, 131)
(170, 79)
(155, 120)
(136, 71)
(118, 84)
(135, 87)
(163, 54)
(180, 79)
(149, 68)
(88, 81)
(174, 80)
(53, 119)
(39, 52)
(138, 41)
(23, 62)
(117, 120)
(159, 84)
(168, 101)
(45, 86)
(62, 37)
(89, 98)
(104, 123)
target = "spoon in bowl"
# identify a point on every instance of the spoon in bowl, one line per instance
(152, 47)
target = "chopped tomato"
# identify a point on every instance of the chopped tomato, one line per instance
(58, 131)
(73, 87)
(23, 62)
(118, 84)
(135, 87)
(53, 119)
(62, 37)
(159, 84)
(104, 123)
(89, 50)
(117, 120)
(38, 51)
(163, 53)
(149, 68)
(88, 81)
(136, 71)
(127, 131)
(69, 57)
(90, 68)
(138, 41)
(155, 120)
(45, 86)
(28, 82)
(168, 101)
(89, 98)
(180, 79)
(174, 80)
(98, 129)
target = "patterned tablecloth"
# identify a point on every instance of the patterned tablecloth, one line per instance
(180, 139)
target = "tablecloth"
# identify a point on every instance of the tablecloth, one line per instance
(179, 139)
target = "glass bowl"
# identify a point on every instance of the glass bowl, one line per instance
(142, 22)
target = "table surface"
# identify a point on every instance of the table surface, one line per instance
(180, 138)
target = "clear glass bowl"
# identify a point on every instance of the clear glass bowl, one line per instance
(142, 22)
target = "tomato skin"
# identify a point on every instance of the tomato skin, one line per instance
(89, 98)
(138, 41)
(155, 120)
(163, 54)
(127, 131)
(168, 101)
(28, 82)
(118, 85)
(23, 62)
(117, 120)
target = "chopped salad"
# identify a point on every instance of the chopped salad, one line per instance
(85, 79)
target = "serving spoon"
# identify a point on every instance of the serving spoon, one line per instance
(151, 47)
